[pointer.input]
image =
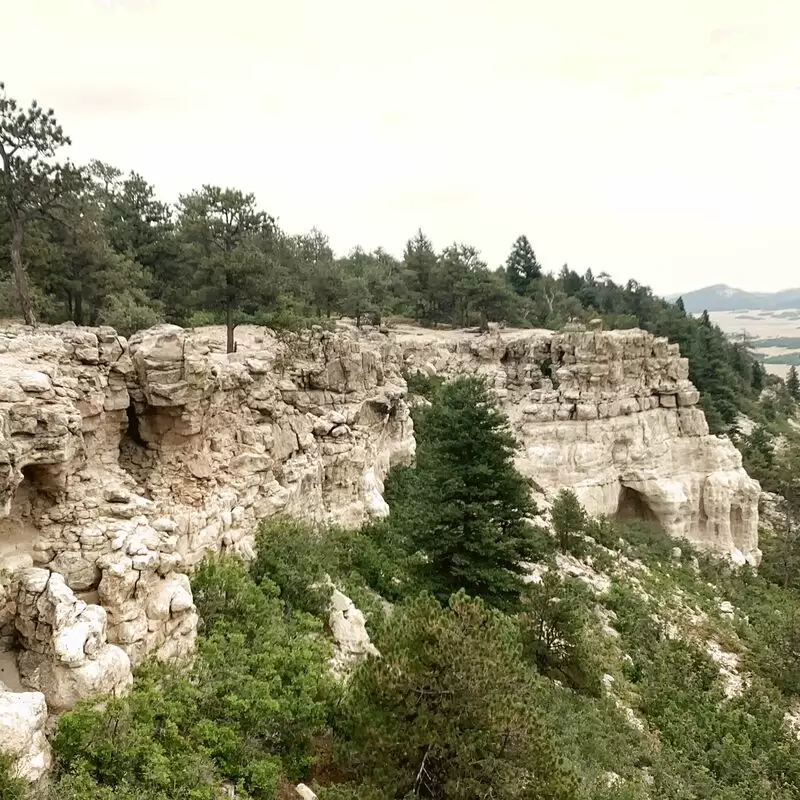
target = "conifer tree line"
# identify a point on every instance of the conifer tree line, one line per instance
(90, 244)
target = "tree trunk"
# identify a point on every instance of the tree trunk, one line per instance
(20, 275)
(229, 324)
(77, 313)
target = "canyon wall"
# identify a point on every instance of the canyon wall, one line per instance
(123, 462)
(613, 416)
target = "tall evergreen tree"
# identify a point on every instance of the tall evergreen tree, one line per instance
(758, 376)
(31, 182)
(421, 263)
(793, 383)
(223, 228)
(569, 518)
(464, 504)
(84, 269)
(522, 267)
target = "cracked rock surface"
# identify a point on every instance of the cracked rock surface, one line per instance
(122, 463)
(613, 416)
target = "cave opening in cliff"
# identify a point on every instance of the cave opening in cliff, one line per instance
(132, 447)
(19, 529)
(9, 670)
(19, 532)
(132, 431)
(632, 505)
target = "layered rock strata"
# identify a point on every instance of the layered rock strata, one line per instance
(123, 463)
(613, 416)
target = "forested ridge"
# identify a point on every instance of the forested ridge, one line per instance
(505, 672)
(89, 244)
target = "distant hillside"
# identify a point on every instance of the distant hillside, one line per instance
(725, 298)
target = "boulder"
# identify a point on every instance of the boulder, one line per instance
(22, 733)
(108, 673)
(349, 630)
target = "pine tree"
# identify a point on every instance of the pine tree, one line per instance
(553, 625)
(522, 267)
(31, 183)
(569, 518)
(222, 228)
(449, 711)
(464, 504)
(421, 263)
(793, 383)
(758, 376)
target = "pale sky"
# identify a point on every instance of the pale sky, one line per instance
(653, 140)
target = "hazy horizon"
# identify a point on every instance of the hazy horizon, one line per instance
(650, 142)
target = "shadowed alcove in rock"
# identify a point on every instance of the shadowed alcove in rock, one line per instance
(37, 492)
(19, 531)
(632, 505)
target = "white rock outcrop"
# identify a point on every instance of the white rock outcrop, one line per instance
(613, 416)
(64, 647)
(349, 632)
(22, 733)
(122, 463)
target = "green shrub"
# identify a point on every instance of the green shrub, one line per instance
(203, 317)
(553, 622)
(11, 788)
(247, 711)
(448, 711)
(295, 556)
(423, 385)
(650, 542)
(604, 531)
(127, 314)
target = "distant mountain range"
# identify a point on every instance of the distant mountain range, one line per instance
(725, 298)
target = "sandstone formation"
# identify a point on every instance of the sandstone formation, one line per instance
(22, 721)
(348, 628)
(123, 462)
(613, 416)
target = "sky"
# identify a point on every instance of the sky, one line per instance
(650, 140)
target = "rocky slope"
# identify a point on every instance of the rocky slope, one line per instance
(123, 463)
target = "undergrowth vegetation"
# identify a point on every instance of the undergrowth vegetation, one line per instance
(618, 663)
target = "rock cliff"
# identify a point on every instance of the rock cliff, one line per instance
(613, 416)
(123, 462)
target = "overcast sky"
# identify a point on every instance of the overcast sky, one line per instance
(653, 140)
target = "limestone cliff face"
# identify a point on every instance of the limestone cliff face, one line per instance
(123, 462)
(613, 416)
